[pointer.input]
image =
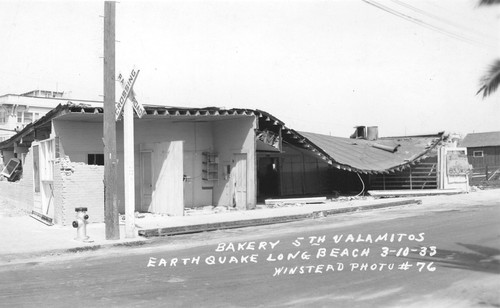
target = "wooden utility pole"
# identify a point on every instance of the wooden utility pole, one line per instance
(111, 218)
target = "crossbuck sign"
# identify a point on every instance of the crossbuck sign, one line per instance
(128, 93)
(128, 108)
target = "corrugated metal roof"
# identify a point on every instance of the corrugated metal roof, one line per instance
(355, 155)
(488, 139)
(377, 156)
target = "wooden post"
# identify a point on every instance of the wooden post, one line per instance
(411, 182)
(109, 126)
(128, 167)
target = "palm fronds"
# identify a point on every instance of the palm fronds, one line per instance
(488, 2)
(491, 80)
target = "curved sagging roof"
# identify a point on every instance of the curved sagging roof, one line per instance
(375, 156)
(383, 155)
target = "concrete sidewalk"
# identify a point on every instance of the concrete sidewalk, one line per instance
(24, 237)
(165, 226)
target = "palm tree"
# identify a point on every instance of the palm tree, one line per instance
(488, 2)
(491, 80)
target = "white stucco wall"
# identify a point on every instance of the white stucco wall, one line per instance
(197, 137)
(227, 136)
(232, 137)
(78, 139)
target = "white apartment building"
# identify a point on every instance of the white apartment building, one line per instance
(18, 110)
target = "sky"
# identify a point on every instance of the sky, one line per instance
(407, 66)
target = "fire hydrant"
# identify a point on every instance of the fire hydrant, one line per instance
(81, 223)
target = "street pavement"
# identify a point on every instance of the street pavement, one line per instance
(24, 237)
(444, 253)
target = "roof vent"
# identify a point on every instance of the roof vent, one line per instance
(359, 133)
(387, 148)
(365, 132)
(372, 133)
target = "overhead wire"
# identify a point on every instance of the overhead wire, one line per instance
(440, 19)
(450, 10)
(422, 23)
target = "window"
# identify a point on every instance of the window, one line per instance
(95, 159)
(28, 117)
(12, 166)
(477, 154)
(24, 117)
(2, 116)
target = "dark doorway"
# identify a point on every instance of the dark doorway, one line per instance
(268, 177)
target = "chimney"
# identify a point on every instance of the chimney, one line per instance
(372, 133)
(359, 133)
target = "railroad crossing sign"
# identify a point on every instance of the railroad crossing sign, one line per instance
(128, 108)
(128, 93)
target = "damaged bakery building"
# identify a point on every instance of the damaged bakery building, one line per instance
(187, 158)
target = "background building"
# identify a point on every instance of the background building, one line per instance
(484, 155)
(18, 110)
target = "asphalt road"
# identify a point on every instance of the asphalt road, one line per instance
(440, 257)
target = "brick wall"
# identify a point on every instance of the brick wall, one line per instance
(60, 215)
(75, 185)
(78, 185)
(20, 194)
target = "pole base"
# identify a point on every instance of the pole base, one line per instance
(84, 239)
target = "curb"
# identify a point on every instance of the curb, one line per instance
(134, 243)
(157, 232)
(7, 258)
